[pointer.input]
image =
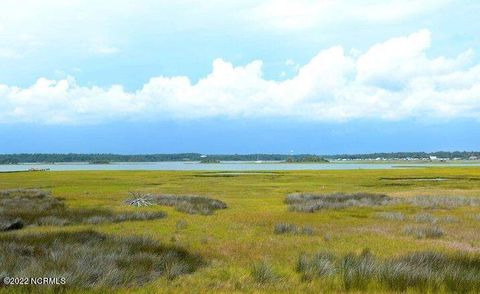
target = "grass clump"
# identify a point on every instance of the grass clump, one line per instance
(424, 232)
(304, 202)
(88, 259)
(420, 271)
(262, 273)
(21, 207)
(321, 264)
(188, 203)
(284, 228)
(425, 218)
(104, 216)
(425, 271)
(443, 202)
(357, 271)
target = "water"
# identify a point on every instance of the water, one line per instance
(224, 166)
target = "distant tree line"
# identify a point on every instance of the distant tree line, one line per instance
(105, 158)
(403, 155)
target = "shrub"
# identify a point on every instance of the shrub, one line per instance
(312, 202)
(424, 232)
(89, 259)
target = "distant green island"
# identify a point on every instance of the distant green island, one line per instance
(99, 161)
(9, 161)
(209, 160)
(213, 158)
(307, 159)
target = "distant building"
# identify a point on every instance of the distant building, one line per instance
(433, 158)
(473, 157)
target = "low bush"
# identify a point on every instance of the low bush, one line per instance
(313, 202)
(88, 259)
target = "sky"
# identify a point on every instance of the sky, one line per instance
(322, 77)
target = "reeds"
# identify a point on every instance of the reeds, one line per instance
(89, 259)
(304, 202)
(420, 271)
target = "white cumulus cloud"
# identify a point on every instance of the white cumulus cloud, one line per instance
(392, 80)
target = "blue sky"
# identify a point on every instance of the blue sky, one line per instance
(239, 76)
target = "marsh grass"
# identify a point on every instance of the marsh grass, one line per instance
(420, 271)
(425, 218)
(431, 219)
(37, 207)
(89, 259)
(284, 228)
(321, 264)
(188, 203)
(424, 232)
(262, 272)
(305, 202)
(459, 273)
(357, 271)
(443, 202)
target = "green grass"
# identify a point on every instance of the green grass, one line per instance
(232, 241)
